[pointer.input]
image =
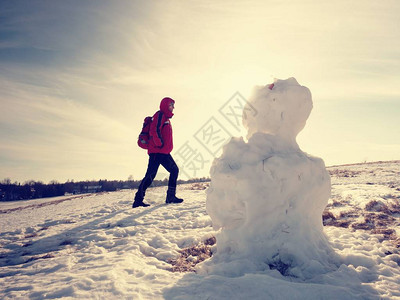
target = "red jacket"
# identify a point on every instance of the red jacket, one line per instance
(161, 129)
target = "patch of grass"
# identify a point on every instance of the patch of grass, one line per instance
(377, 206)
(344, 173)
(191, 256)
(328, 217)
(198, 186)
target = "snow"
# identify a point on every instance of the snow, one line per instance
(267, 197)
(285, 227)
(282, 109)
(96, 246)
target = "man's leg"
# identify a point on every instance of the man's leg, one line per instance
(169, 164)
(151, 173)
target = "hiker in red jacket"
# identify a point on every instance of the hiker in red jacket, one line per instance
(160, 147)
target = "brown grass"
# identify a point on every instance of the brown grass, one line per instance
(198, 186)
(344, 173)
(191, 256)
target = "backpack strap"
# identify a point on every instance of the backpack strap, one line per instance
(166, 123)
(160, 116)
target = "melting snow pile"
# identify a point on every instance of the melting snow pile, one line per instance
(267, 196)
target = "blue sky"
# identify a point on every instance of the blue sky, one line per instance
(78, 77)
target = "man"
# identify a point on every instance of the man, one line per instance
(160, 147)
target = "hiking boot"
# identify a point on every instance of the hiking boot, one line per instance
(139, 201)
(173, 199)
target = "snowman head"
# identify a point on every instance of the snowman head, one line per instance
(282, 109)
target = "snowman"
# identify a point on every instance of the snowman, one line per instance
(266, 196)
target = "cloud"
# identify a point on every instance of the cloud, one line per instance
(79, 77)
(40, 129)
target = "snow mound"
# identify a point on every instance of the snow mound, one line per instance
(266, 196)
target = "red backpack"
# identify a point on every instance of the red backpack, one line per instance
(144, 136)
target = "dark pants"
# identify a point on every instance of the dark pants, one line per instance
(155, 160)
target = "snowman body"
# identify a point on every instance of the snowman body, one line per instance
(266, 196)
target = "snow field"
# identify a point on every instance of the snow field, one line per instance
(97, 247)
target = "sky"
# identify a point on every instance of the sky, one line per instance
(77, 78)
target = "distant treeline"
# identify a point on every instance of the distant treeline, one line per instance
(33, 190)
